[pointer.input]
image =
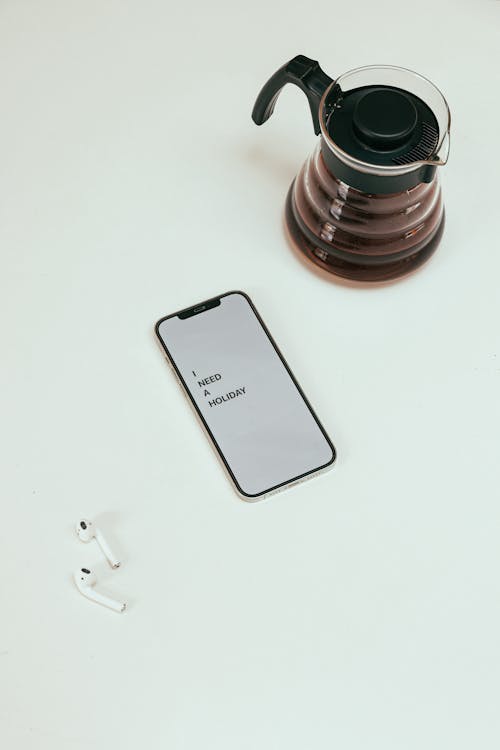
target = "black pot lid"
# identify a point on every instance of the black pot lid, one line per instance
(381, 125)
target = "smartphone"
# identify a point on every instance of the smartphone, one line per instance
(253, 410)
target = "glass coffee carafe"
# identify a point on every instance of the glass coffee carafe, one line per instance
(367, 204)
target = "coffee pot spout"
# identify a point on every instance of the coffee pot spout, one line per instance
(440, 156)
(304, 73)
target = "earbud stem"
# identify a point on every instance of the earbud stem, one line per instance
(106, 550)
(106, 601)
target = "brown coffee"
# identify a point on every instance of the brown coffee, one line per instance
(358, 235)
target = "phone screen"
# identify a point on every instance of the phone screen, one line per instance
(256, 414)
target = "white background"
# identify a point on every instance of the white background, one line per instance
(359, 610)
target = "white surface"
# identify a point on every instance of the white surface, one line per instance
(359, 610)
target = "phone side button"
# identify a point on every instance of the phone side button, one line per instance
(179, 382)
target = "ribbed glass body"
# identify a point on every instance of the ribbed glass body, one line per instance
(358, 235)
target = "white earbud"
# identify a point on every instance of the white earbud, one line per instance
(85, 580)
(87, 531)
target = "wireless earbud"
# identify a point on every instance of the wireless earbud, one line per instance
(85, 580)
(87, 531)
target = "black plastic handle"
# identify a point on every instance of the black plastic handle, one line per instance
(304, 73)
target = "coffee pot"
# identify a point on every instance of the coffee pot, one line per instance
(367, 204)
